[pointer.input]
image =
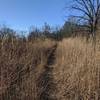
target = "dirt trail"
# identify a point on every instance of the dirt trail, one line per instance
(46, 85)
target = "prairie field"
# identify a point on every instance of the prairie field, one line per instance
(77, 70)
(49, 70)
(50, 50)
(21, 63)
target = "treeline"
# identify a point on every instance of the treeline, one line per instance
(85, 23)
(71, 28)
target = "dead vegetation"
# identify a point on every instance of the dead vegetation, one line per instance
(77, 70)
(21, 63)
(41, 70)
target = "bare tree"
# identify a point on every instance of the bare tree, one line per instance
(90, 10)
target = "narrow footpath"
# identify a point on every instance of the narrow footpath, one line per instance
(46, 85)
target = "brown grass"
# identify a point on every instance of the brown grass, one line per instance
(77, 70)
(21, 63)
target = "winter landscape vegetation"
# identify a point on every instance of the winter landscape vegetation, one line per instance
(53, 63)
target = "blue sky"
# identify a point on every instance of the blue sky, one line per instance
(21, 14)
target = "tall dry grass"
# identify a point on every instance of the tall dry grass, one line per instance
(21, 63)
(77, 70)
(75, 73)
